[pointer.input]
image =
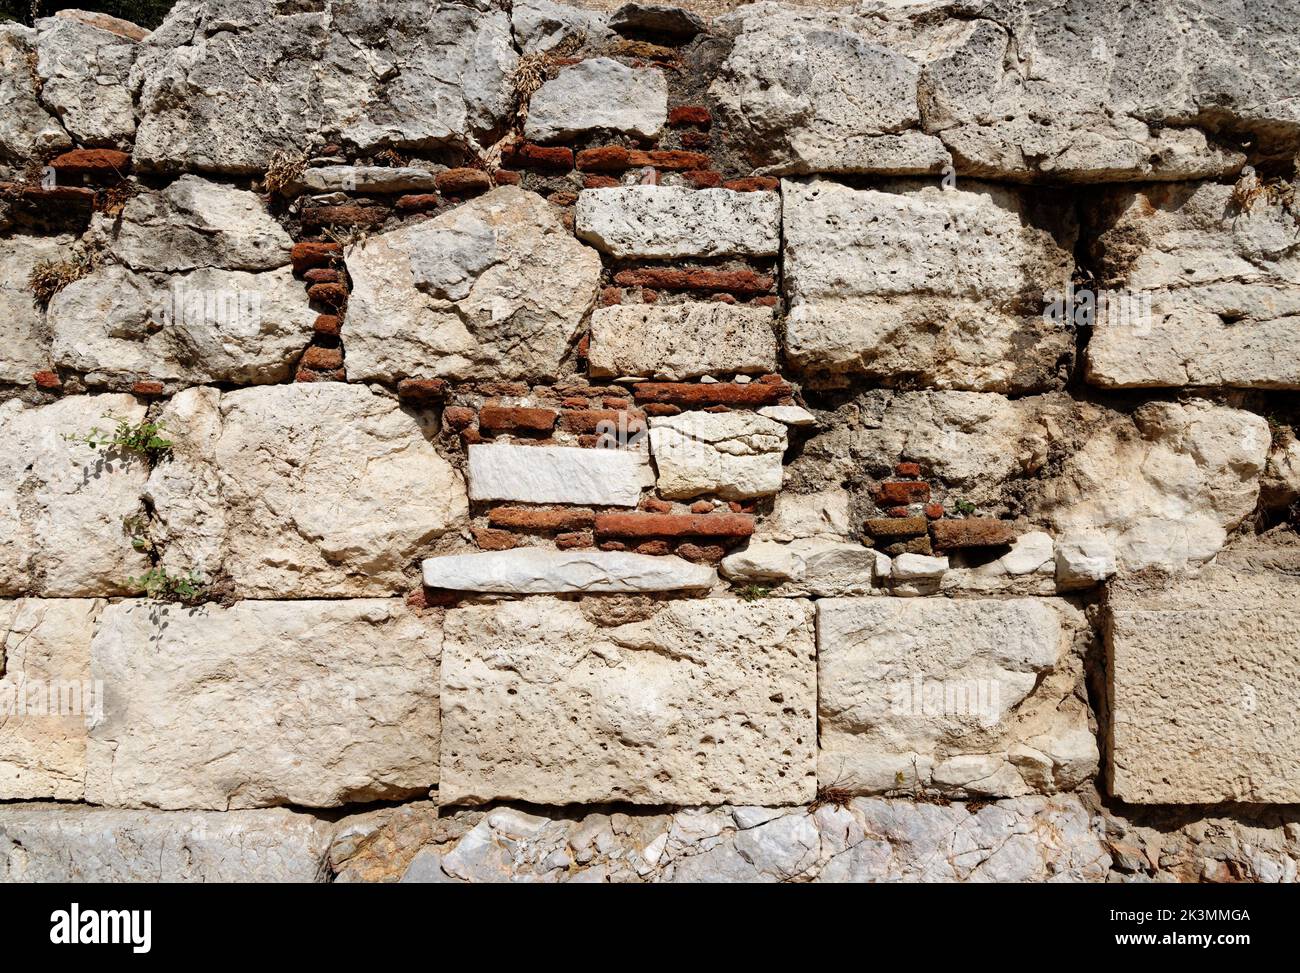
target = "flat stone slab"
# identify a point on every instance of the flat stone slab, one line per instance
(675, 342)
(598, 94)
(311, 703)
(70, 843)
(539, 571)
(669, 221)
(556, 474)
(698, 702)
(1203, 683)
(967, 697)
(733, 455)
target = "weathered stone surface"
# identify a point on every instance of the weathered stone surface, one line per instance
(681, 341)
(1213, 293)
(85, 72)
(354, 495)
(598, 94)
(420, 75)
(27, 130)
(62, 502)
(205, 326)
(539, 25)
(801, 93)
(193, 224)
(1165, 487)
(702, 701)
(814, 566)
(664, 221)
(967, 697)
(556, 474)
(61, 843)
(1083, 560)
(493, 289)
(1279, 486)
(731, 454)
(663, 19)
(264, 703)
(1202, 684)
(362, 179)
(917, 285)
(1027, 839)
(45, 696)
(22, 325)
(537, 571)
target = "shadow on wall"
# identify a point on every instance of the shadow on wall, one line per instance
(146, 13)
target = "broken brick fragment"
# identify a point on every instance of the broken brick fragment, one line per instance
(494, 540)
(457, 417)
(701, 553)
(752, 184)
(331, 295)
(423, 391)
(305, 256)
(329, 325)
(462, 182)
(494, 419)
(655, 505)
(506, 177)
(102, 166)
(146, 387)
(902, 492)
(698, 396)
(322, 359)
(47, 380)
(322, 275)
(891, 527)
(599, 182)
(615, 158)
(418, 202)
(690, 115)
(575, 540)
(911, 470)
(703, 178)
(344, 214)
(528, 155)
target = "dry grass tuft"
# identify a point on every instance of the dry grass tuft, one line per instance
(50, 276)
(284, 170)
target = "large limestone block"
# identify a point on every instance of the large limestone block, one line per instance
(1213, 293)
(421, 75)
(85, 79)
(61, 843)
(204, 326)
(192, 224)
(669, 221)
(301, 491)
(969, 697)
(62, 502)
(539, 25)
(1164, 487)
(734, 455)
(1203, 675)
(495, 288)
(701, 702)
(22, 325)
(27, 130)
(538, 571)
(918, 285)
(556, 474)
(599, 94)
(680, 341)
(800, 93)
(46, 696)
(312, 703)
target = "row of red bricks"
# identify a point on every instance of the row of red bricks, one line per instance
(901, 496)
(320, 265)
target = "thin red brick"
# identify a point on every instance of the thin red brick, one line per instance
(650, 525)
(751, 395)
(971, 532)
(752, 184)
(499, 418)
(423, 390)
(531, 518)
(690, 115)
(671, 279)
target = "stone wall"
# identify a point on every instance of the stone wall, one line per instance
(469, 441)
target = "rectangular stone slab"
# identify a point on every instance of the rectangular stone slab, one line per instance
(681, 341)
(669, 221)
(313, 703)
(540, 571)
(555, 474)
(1203, 689)
(698, 702)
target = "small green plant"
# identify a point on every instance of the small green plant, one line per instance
(136, 527)
(964, 507)
(752, 592)
(157, 583)
(144, 437)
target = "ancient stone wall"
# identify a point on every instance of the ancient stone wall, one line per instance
(464, 441)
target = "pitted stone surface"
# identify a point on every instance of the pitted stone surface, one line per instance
(681, 341)
(22, 323)
(547, 701)
(85, 74)
(27, 129)
(667, 221)
(599, 94)
(264, 703)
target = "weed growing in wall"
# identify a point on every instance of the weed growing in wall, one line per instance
(160, 585)
(144, 437)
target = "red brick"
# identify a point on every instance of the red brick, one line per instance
(322, 359)
(656, 548)
(55, 194)
(494, 540)
(423, 390)
(610, 402)
(506, 177)
(934, 510)
(564, 198)
(648, 296)
(702, 553)
(890, 527)
(331, 295)
(694, 396)
(532, 518)
(660, 409)
(696, 140)
(703, 178)
(771, 379)
(147, 388)
(723, 298)
(575, 403)
(702, 507)
(912, 470)
(612, 546)
(458, 417)
(767, 300)
(555, 158)
(690, 115)
(615, 158)
(674, 525)
(902, 491)
(577, 539)
(470, 437)
(311, 375)
(752, 184)
(590, 420)
(307, 255)
(668, 279)
(104, 166)
(47, 380)
(898, 512)
(500, 418)
(462, 182)
(328, 324)
(600, 182)
(346, 214)
(418, 202)
(971, 532)
(584, 345)
(656, 506)
(322, 275)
